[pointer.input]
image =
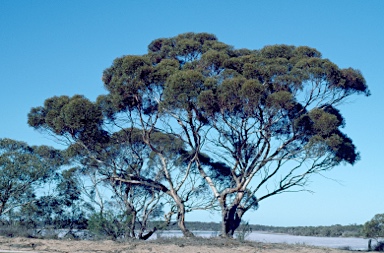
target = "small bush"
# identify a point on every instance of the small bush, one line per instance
(346, 248)
(108, 225)
(243, 231)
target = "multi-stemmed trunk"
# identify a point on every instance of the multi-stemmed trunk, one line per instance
(171, 193)
(231, 218)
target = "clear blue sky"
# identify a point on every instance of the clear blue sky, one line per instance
(56, 47)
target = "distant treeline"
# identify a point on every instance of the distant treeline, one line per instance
(337, 230)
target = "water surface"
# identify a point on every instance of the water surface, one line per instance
(331, 242)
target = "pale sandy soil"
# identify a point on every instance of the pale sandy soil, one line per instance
(174, 245)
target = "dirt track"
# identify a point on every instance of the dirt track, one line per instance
(175, 245)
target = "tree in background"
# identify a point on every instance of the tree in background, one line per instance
(375, 229)
(62, 207)
(23, 169)
(74, 209)
(251, 123)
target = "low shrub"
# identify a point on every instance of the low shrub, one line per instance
(379, 246)
(243, 231)
(16, 231)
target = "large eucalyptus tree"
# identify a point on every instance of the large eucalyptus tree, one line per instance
(252, 123)
(251, 119)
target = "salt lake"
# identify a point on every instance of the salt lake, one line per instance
(331, 242)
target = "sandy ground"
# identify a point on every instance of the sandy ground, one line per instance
(174, 245)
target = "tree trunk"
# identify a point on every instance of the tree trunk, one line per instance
(231, 219)
(143, 228)
(133, 224)
(181, 221)
(149, 234)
